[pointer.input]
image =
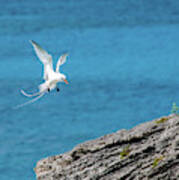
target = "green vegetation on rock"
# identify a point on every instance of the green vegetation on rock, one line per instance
(125, 152)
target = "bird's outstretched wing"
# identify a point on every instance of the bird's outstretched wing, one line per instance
(61, 61)
(44, 57)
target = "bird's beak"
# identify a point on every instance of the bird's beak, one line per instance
(66, 81)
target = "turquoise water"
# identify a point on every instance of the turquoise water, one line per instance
(122, 68)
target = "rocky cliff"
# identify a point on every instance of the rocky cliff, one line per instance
(148, 151)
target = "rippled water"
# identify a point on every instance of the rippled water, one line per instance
(123, 70)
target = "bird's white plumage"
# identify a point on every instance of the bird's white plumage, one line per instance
(51, 77)
(42, 54)
(61, 61)
(45, 58)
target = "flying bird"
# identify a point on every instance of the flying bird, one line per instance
(50, 76)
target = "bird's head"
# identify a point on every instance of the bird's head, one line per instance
(63, 79)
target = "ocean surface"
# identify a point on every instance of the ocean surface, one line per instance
(123, 69)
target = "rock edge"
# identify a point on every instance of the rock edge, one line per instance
(147, 151)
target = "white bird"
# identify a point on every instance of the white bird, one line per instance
(51, 77)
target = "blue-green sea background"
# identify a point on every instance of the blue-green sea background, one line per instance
(123, 69)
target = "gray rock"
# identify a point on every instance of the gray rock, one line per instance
(148, 151)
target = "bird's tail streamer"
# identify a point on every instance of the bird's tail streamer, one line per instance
(30, 95)
(29, 102)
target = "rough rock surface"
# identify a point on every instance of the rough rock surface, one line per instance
(148, 151)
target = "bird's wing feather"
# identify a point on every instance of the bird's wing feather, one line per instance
(61, 61)
(44, 57)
